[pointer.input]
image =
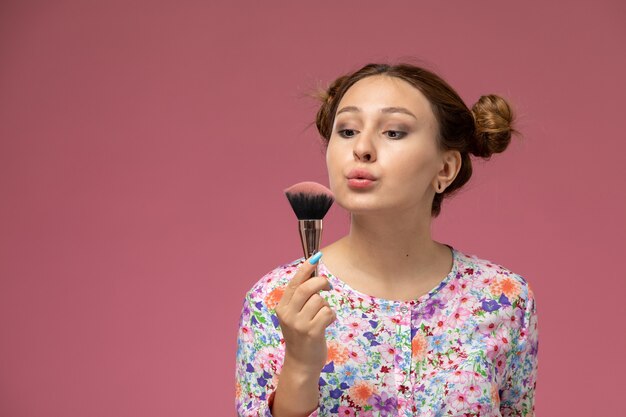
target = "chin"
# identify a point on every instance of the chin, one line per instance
(359, 206)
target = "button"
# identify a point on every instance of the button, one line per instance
(404, 309)
(407, 393)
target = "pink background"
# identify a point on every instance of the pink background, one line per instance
(144, 147)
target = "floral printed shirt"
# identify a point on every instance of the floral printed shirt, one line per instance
(466, 348)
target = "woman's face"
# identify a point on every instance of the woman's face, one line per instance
(386, 127)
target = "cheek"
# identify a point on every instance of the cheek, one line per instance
(334, 155)
(412, 170)
(332, 164)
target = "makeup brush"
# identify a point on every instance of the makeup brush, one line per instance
(310, 201)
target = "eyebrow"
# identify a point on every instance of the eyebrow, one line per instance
(383, 110)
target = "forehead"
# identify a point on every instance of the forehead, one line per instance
(378, 91)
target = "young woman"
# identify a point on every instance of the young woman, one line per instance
(396, 324)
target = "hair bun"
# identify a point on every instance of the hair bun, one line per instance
(493, 118)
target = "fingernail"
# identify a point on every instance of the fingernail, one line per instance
(315, 258)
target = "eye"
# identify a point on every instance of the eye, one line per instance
(397, 134)
(343, 133)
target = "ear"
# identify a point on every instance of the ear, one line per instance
(450, 167)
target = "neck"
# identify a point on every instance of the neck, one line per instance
(397, 247)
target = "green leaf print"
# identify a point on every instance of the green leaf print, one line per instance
(259, 317)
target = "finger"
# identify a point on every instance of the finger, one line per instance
(311, 307)
(305, 290)
(303, 272)
(323, 319)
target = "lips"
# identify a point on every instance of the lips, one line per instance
(361, 174)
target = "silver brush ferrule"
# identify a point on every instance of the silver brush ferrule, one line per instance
(310, 235)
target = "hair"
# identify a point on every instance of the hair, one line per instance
(482, 131)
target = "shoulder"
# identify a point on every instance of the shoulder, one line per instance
(268, 289)
(495, 278)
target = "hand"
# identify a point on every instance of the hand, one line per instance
(303, 316)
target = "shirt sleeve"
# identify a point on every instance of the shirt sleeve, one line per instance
(260, 355)
(517, 396)
(255, 374)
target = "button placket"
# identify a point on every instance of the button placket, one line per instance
(404, 341)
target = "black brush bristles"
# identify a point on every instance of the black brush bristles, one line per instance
(309, 200)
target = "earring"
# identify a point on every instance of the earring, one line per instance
(439, 187)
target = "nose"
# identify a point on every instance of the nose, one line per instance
(364, 148)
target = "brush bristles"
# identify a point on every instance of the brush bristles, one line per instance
(309, 200)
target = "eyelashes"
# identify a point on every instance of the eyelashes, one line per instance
(343, 134)
(398, 134)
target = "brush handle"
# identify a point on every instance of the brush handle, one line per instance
(310, 235)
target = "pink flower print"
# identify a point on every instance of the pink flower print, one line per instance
(440, 325)
(473, 375)
(260, 362)
(459, 400)
(346, 411)
(489, 325)
(356, 353)
(401, 320)
(388, 352)
(480, 408)
(458, 316)
(459, 376)
(493, 347)
(511, 317)
(246, 334)
(356, 324)
(268, 358)
(450, 290)
(470, 303)
(500, 362)
(503, 338)
(401, 402)
(473, 391)
(347, 337)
